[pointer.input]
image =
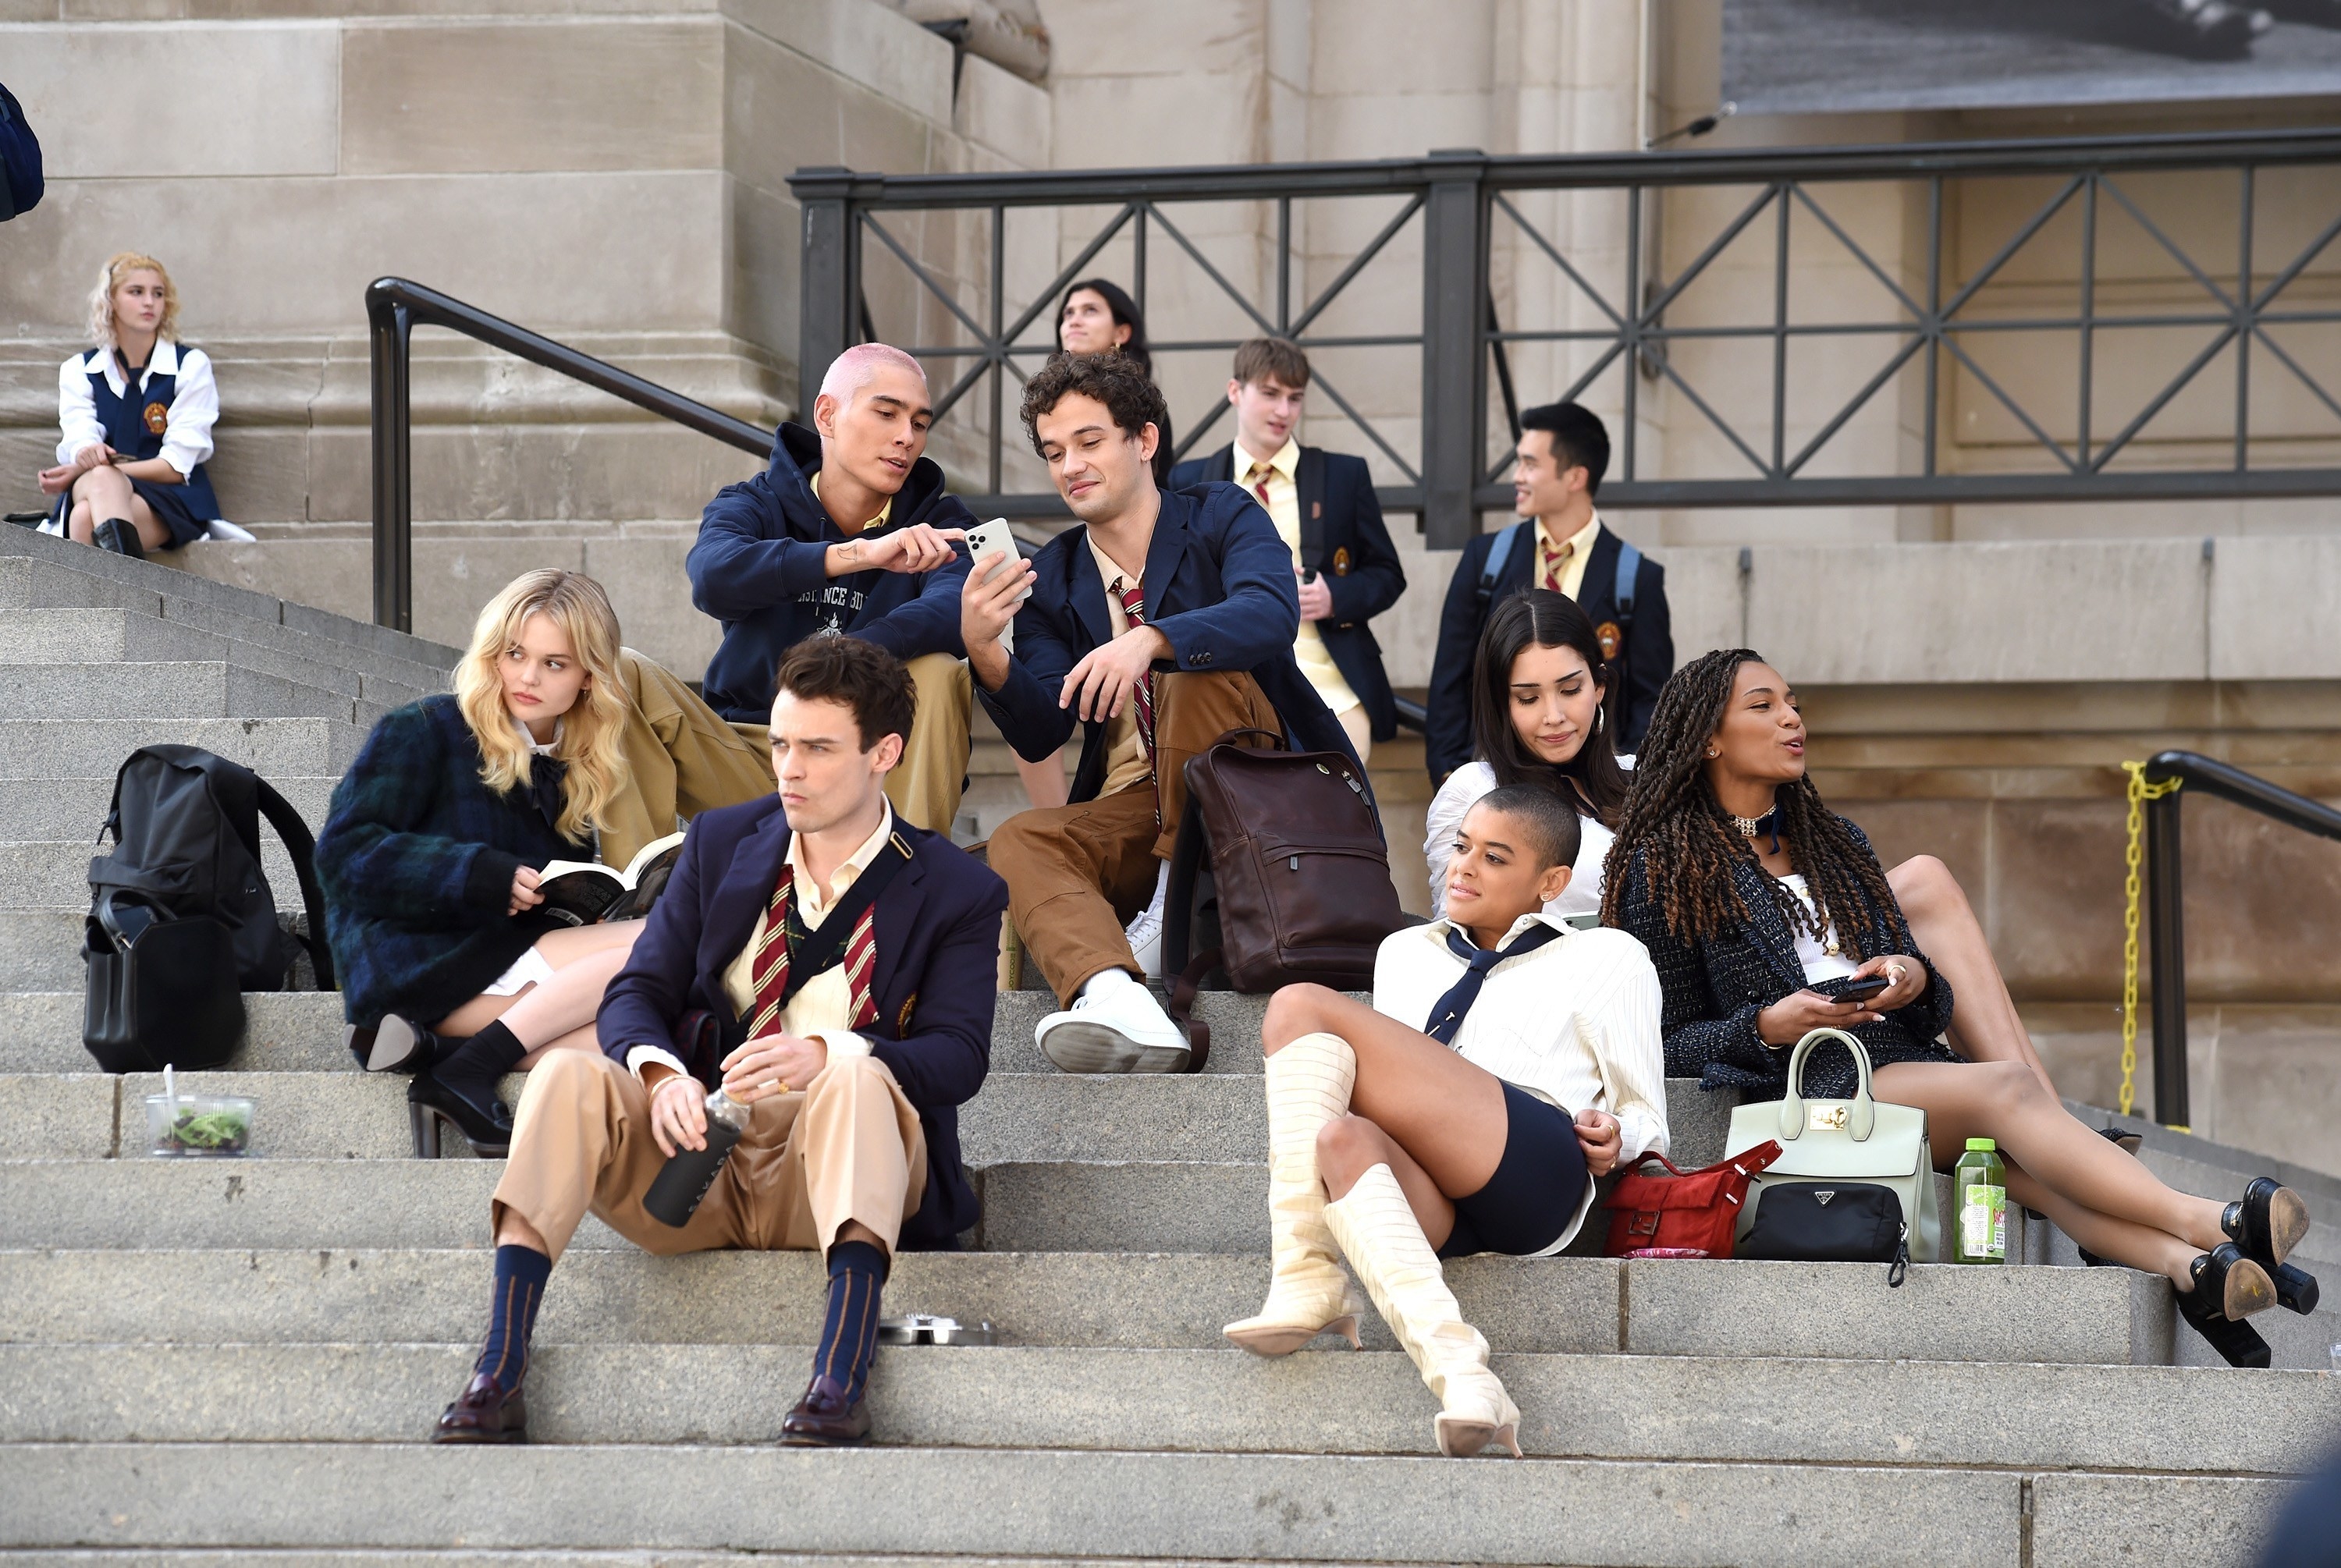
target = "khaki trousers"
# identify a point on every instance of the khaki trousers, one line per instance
(847, 1147)
(1076, 873)
(683, 758)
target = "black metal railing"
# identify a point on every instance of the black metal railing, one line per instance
(1938, 313)
(395, 308)
(2166, 895)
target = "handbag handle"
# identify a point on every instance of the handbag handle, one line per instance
(1792, 1105)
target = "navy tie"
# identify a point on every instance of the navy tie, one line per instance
(1447, 1016)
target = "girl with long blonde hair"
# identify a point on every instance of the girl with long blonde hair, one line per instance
(431, 853)
(134, 415)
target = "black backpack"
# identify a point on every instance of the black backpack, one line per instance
(182, 921)
(20, 160)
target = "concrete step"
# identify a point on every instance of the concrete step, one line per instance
(43, 947)
(43, 585)
(1565, 1305)
(79, 748)
(1016, 1118)
(360, 636)
(74, 808)
(164, 690)
(110, 636)
(1112, 1503)
(1652, 1408)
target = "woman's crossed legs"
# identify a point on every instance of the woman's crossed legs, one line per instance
(558, 1013)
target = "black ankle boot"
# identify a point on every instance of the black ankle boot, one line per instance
(2228, 1287)
(430, 1103)
(120, 535)
(2267, 1222)
(2296, 1288)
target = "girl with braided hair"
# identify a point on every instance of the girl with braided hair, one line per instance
(1758, 906)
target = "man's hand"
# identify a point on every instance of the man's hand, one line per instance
(1101, 684)
(772, 1065)
(915, 549)
(1600, 1137)
(524, 895)
(1316, 596)
(987, 606)
(1799, 1013)
(678, 1113)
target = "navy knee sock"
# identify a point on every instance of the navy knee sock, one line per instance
(521, 1274)
(849, 1335)
(471, 1068)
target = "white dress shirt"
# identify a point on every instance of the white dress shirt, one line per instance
(1461, 792)
(1574, 1023)
(194, 406)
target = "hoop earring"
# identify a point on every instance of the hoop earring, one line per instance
(1601, 717)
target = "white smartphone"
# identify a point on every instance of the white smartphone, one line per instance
(995, 538)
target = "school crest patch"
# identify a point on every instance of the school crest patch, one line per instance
(158, 418)
(1341, 562)
(1610, 637)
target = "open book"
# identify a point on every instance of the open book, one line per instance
(582, 893)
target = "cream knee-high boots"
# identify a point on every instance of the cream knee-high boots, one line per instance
(1308, 1083)
(1384, 1242)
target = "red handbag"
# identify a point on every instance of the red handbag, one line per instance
(1684, 1214)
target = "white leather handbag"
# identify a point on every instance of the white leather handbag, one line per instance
(1860, 1140)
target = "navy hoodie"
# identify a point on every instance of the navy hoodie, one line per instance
(757, 567)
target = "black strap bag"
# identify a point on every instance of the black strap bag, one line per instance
(1830, 1222)
(182, 920)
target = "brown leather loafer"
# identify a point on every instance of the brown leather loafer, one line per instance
(822, 1418)
(484, 1413)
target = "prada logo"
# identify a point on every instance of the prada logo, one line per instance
(1827, 1118)
(1822, 1198)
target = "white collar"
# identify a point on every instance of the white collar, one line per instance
(164, 360)
(858, 862)
(1441, 926)
(541, 748)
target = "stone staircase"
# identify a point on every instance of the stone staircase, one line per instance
(207, 1362)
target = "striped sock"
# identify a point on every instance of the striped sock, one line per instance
(521, 1274)
(849, 1335)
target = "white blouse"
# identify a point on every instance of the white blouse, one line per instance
(1461, 792)
(194, 406)
(1819, 963)
(1574, 1023)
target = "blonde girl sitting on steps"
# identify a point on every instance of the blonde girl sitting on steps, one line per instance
(1507, 1062)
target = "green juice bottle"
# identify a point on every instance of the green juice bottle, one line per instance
(1979, 1196)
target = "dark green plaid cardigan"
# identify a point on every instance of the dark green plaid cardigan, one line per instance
(416, 859)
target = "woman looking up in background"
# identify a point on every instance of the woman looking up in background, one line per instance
(135, 416)
(431, 853)
(1538, 716)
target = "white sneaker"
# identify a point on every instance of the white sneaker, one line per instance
(1144, 935)
(1112, 1028)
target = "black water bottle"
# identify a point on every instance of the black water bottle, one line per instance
(676, 1190)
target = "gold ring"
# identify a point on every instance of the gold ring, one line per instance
(1896, 973)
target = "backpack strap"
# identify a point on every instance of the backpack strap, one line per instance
(1629, 568)
(1498, 554)
(302, 848)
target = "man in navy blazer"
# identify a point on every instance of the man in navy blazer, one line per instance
(1325, 509)
(1163, 622)
(1564, 546)
(832, 969)
(848, 531)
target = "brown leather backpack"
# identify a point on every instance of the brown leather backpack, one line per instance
(1299, 875)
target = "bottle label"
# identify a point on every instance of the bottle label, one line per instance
(1983, 1222)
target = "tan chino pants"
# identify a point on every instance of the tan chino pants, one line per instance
(847, 1147)
(1076, 873)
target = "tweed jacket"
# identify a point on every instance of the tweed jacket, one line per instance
(416, 861)
(1711, 991)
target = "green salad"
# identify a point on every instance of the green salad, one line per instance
(225, 1131)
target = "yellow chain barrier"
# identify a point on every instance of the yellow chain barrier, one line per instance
(2140, 792)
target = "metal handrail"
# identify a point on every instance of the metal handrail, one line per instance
(2165, 895)
(394, 307)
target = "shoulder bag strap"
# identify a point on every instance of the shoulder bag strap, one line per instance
(1309, 499)
(303, 848)
(1629, 567)
(1498, 554)
(824, 947)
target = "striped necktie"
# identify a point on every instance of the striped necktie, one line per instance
(1133, 605)
(1446, 1013)
(768, 972)
(1258, 477)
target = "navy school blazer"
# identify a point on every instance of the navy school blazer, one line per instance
(1647, 656)
(938, 936)
(1341, 516)
(1219, 585)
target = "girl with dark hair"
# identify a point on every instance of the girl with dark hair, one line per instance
(1097, 318)
(1540, 715)
(1758, 906)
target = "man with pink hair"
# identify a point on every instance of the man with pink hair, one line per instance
(849, 533)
